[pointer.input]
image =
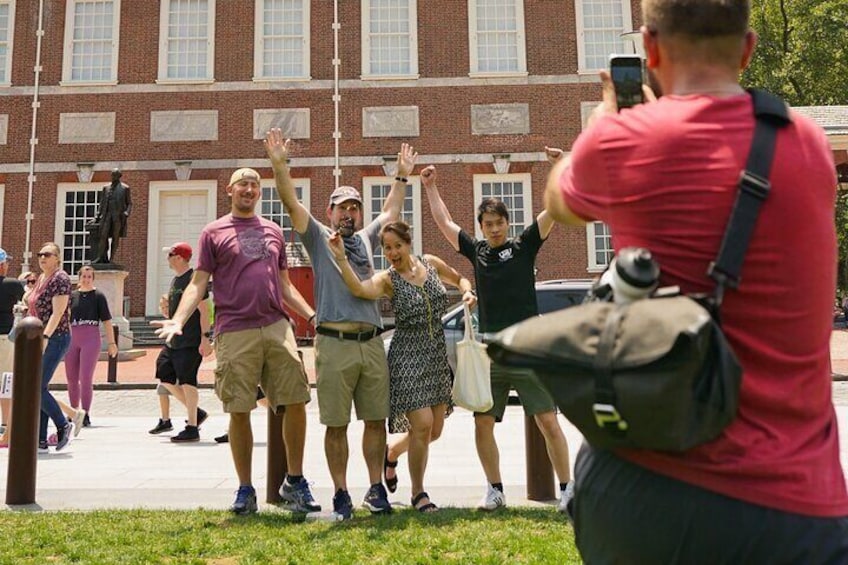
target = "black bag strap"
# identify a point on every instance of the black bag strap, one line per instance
(771, 114)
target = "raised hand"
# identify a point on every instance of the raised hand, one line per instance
(553, 154)
(406, 160)
(428, 177)
(277, 147)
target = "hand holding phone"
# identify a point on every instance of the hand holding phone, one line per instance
(627, 74)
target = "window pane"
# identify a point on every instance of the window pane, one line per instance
(80, 208)
(378, 195)
(497, 36)
(188, 39)
(283, 38)
(512, 195)
(271, 208)
(91, 43)
(603, 24)
(5, 37)
(389, 34)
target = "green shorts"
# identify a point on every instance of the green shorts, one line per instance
(534, 397)
(351, 372)
(265, 357)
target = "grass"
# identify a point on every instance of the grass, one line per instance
(524, 535)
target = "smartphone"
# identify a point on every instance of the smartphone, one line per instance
(628, 75)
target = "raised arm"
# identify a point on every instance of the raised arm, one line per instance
(192, 295)
(451, 276)
(376, 287)
(277, 148)
(546, 223)
(293, 298)
(440, 212)
(394, 201)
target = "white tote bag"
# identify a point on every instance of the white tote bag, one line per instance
(472, 387)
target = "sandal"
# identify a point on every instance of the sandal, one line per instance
(391, 484)
(424, 508)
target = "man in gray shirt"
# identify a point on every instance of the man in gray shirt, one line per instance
(350, 362)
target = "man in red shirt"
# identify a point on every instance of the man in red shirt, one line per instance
(664, 175)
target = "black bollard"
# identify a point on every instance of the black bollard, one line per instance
(277, 465)
(112, 362)
(26, 400)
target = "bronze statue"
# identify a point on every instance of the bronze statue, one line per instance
(111, 220)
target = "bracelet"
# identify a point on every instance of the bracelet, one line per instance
(402, 179)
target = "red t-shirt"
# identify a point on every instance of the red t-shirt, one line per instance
(664, 176)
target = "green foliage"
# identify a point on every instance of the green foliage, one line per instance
(525, 535)
(802, 53)
(842, 240)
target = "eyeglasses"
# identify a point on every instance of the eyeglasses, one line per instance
(349, 208)
(45, 254)
(31, 281)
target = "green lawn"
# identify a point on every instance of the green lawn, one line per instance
(522, 535)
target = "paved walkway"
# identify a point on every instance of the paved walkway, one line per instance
(116, 463)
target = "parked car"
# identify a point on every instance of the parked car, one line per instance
(550, 295)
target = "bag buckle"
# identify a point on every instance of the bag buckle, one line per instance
(607, 416)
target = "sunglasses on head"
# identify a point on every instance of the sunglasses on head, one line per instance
(45, 254)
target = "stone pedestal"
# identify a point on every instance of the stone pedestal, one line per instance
(111, 284)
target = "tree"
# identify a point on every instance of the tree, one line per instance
(802, 53)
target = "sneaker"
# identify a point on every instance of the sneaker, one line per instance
(342, 506)
(162, 426)
(64, 436)
(493, 500)
(78, 420)
(566, 495)
(86, 422)
(299, 497)
(43, 447)
(245, 502)
(223, 438)
(201, 416)
(189, 434)
(377, 500)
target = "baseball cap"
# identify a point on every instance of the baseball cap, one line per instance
(344, 193)
(4, 256)
(182, 249)
(242, 174)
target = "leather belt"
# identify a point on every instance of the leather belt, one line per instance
(352, 336)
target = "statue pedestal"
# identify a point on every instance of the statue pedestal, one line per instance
(111, 284)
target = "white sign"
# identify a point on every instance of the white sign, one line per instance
(6, 385)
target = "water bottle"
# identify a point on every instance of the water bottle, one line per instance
(633, 274)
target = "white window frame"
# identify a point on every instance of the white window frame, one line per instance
(68, 52)
(2, 205)
(369, 213)
(259, 45)
(526, 194)
(412, 38)
(593, 265)
(304, 189)
(9, 43)
(62, 190)
(164, 13)
(626, 25)
(521, 40)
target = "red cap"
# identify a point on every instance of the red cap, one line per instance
(182, 249)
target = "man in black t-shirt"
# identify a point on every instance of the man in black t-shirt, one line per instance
(11, 291)
(505, 281)
(179, 360)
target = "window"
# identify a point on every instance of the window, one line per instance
(282, 39)
(514, 190)
(600, 24)
(389, 39)
(91, 41)
(496, 37)
(7, 28)
(76, 206)
(186, 48)
(270, 208)
(374, 192)
(599, 244)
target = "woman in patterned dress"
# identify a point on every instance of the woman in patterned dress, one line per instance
(420, 379)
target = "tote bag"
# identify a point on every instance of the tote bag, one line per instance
(472, 388)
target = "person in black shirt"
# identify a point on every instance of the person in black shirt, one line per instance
(504, 272)
(11, 292)
(179, 360)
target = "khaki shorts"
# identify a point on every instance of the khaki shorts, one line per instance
(534, 397)
(351, 371)
(7, 354)
(264, 357)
